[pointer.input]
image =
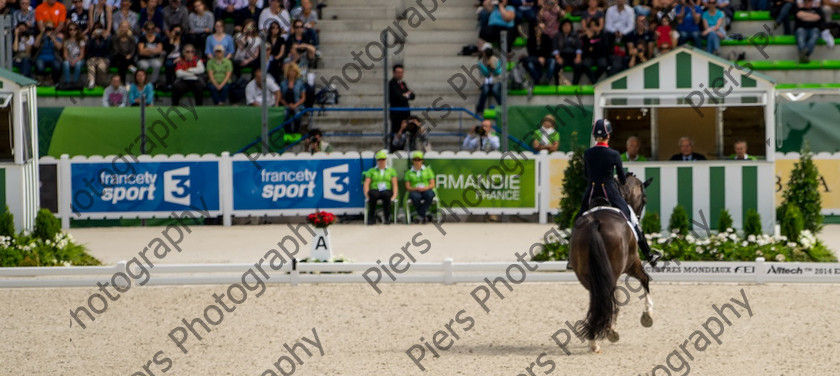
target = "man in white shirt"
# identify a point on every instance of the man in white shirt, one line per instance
(275, 13)
(482, 139)
(253, 91)
(620, 20)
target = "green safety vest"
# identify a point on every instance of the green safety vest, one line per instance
(749, 157)
(378, 177)
(639, 158)
(554, 137)
(416, 178)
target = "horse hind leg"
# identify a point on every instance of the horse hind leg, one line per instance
(612, 336)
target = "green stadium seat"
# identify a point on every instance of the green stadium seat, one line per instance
(831, 64)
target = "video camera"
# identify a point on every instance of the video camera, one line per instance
(479, 130)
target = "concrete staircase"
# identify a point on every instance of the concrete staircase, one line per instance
(429, 53)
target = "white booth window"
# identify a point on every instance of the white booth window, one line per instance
(7, 136)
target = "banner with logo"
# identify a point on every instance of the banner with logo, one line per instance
(145, 187)
(297, 184)
(485, 182)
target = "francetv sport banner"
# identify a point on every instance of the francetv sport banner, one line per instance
(161, 187)
(486, 184)
(297, 184)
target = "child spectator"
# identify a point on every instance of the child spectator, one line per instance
(663, 35)
(115, 94)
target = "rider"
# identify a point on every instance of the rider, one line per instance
(598, 164)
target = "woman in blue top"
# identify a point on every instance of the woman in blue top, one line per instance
(49, 44)
(713, 27)
(141, 85)
(502, 18)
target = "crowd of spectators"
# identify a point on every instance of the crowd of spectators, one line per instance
(203, 46)
(620, 34)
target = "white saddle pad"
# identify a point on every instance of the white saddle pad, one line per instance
(612, 209)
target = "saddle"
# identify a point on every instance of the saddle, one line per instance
(598, 208)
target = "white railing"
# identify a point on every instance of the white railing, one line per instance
(446, 272)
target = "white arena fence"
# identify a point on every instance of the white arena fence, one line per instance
(446, 272)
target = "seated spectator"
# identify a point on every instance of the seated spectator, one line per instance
(309, 18)
(664, 41)
(641, 38)
(830, 8)
(420, 184)
(300, 48)
(539, 63)
(200, 25)
(491, 69)
(502, 18)
(250, 12)
(713, 30)
(411, 136)
(49, 45)
(275, 13)
(172, 52)
(247, 53)
(79, 16)
(124, 49)
(220, 72)
(126, 14)
(638, 55)
(100, 11)
(98, 56)
(73, 54)
(741, 152)
(188, 71)
(53, 12)
(315, 142)
(727, 10)
(482, 138)
(567, 53)
(276, 50)
(115, 94)
(141, 88)
(687, 151)
(292, 95)
(380, 184)
(620, 20)
(219, 38)
(592, 18)
(150, 51)
(546, 136)
(152, 13)
(783, 9)
(25, 15)
(22, 49)
(632, 154)
(225, 9)
(551, 15)
(253, 91)
(526, 12)
(808, 20)
(596, 48)
(175, 14)
(688, 19)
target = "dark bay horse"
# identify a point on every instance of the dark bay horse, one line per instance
(603, 247)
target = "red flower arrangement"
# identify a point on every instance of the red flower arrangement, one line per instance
(321, 219)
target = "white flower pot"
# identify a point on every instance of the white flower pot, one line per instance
(321, 245)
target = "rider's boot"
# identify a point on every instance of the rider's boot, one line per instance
(650, 255)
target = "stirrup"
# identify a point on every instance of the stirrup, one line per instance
(653, 257)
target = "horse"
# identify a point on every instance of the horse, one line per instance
(604, 246)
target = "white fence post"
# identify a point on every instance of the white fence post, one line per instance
(65, 191)
(294, 275)
(226, 188)
(543, 185)
(448, 274)
(760, 272)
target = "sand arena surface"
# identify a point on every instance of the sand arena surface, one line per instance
(792, 331)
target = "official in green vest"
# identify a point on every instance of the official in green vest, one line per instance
(741, 152)
(420, 183)
(546, 137)
(632, 153)
(380, 184)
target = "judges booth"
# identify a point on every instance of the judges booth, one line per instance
(19, 148)
(690, 93)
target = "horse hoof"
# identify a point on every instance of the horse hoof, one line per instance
(612, 336)
(647, 320)
(595, 349)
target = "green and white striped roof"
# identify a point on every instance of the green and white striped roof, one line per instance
(682, 77)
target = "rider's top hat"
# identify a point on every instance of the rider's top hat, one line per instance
(602, 128)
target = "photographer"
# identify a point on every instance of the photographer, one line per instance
(637, 56)
(22, 47)
(482, 138)
(315, 142)
(491, 68)
(413, 135)
(49, 44)
(688, 14)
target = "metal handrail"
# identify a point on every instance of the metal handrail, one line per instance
(369, 109)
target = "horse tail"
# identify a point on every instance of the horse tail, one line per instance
(602, 303)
